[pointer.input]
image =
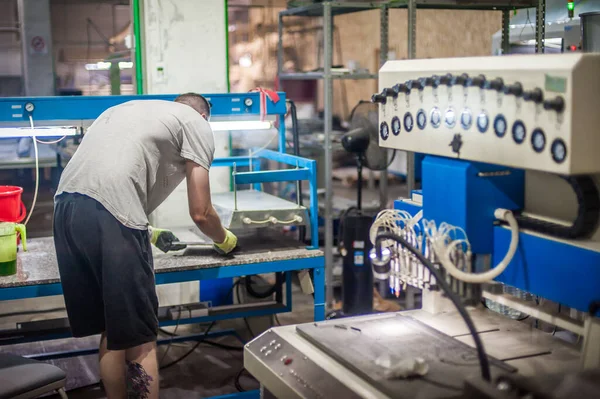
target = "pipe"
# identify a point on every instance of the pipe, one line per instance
(137, 33)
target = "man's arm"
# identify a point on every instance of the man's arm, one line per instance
(201, 209)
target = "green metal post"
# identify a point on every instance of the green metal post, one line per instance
(137, 33)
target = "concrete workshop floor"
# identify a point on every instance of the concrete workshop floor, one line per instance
(208, 371)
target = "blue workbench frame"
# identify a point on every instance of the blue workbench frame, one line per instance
(232, 106)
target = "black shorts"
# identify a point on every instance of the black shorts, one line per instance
(106, 272)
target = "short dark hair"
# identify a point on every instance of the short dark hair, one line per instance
(196, 101)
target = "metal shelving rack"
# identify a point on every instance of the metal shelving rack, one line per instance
(328, 10)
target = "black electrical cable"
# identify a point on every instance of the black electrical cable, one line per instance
(28, 312)
(238, 385)
(259, 295)
(588, 212)
(237, 292)
(200, 340)
(212, 343)
(296, 141)
(483, 360)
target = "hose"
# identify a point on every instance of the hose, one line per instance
(443, 253)
(296, 142)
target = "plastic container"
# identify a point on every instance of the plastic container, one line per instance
(8, 247)
(12, 209)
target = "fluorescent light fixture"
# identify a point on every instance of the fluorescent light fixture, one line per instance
(16, 132)
(105, 66)
(240, 125)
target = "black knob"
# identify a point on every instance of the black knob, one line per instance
(478, 81)
(557, 104)
(401, 88)
(462, 79)
(497, 84)
(379, 98)
(414, 84)
(390, 92)
(515, 89)
(427, 82)
(435, 81)
(536, 95)
(446, 79)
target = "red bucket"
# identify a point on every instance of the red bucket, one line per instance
(12, 209)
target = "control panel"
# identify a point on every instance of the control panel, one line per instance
(273, 355)
(538, 112)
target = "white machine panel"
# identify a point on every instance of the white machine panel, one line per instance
(538, 112)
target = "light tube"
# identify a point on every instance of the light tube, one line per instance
(240, 125)
(16, 132)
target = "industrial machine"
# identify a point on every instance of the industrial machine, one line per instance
(507, 216)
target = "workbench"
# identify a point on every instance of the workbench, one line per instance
(262, 252)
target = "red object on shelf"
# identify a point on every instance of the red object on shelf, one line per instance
(12, 209)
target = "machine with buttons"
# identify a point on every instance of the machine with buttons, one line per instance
(525, 112)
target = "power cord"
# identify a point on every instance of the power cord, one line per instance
(180, 308)
(238, 385)
(441, 281)
(200, 340)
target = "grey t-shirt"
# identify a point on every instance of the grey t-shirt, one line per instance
(133, 156)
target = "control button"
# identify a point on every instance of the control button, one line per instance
(379, 98)
(500, 125)
(450, 118)
(384, 131)
(401, 88)
(556, 104)
(519, 132)
(288, 361)
(283, 358)
(478, 81)
(248, 102)
(559, 151)
(466, 119)
(483, 122)
(497, 84)
(396, 126)
(264, 348)
(390, 92)
(538, 140)
(272, 343)
(267, 353)
(276, 347)
(436, 117)
(536, 95)
(515, 89)
(421, 119)
(408, 122)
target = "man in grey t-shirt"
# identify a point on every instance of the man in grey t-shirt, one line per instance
(130, 160)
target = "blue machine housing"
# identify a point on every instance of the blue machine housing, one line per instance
(465, 194)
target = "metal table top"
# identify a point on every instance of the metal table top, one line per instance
(39, 266)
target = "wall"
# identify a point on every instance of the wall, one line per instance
(440, 33)
(184, 50)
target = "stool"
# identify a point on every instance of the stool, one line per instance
(22, 378)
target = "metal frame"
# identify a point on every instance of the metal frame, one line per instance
(327, 10)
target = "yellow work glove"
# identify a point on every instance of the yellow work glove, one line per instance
(164, 240)
(228, 245)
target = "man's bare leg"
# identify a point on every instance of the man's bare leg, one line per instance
(112, 371)
(142, 371)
